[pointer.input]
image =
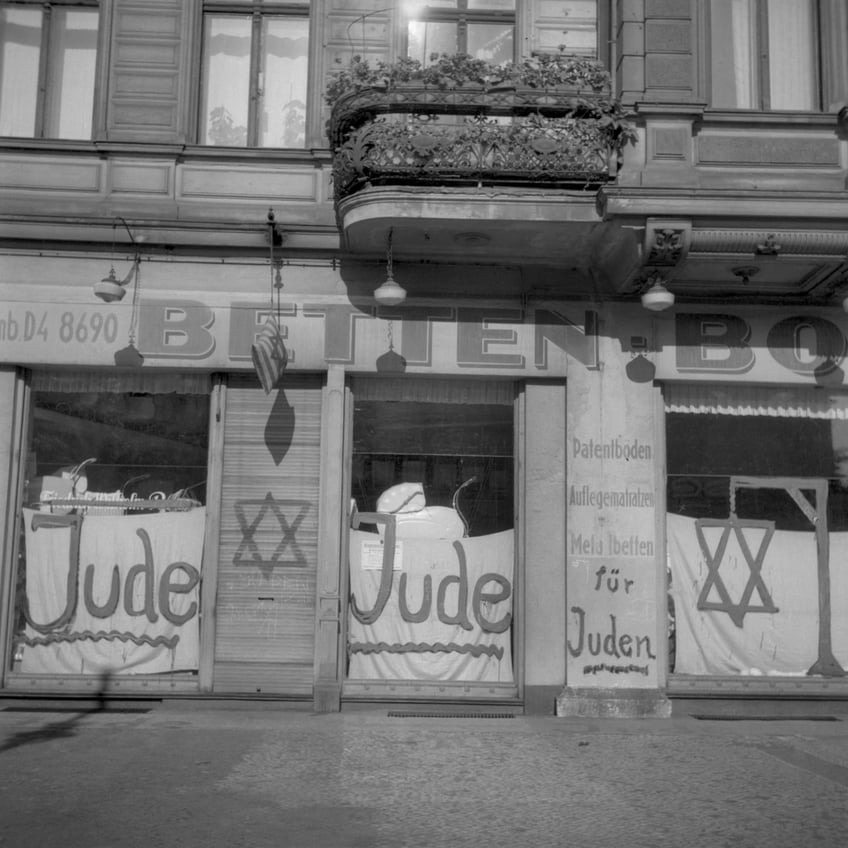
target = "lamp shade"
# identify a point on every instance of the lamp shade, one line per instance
(390, 293)
(110, 288)
(657, 298)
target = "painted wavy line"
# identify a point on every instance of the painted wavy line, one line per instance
(615, 669)
(100, 636)
(425, 648)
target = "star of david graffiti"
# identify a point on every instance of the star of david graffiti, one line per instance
(251, 514)
(736, 610)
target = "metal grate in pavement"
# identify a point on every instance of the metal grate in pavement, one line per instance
(743, 717)
(448, 715)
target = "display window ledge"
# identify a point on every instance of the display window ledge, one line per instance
(412, 690)
(711, 686)
(157, 685)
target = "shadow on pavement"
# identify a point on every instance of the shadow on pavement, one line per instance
(62, 729)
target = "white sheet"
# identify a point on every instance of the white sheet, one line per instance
(785, 642)
(391, 648)
(126, 641)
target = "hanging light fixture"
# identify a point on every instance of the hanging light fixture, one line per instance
(390, 293)
(655, 296)
(110, 290)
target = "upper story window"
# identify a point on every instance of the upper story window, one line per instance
(491, 29)
(484, 29)
(48, 63)
(764, 54)
(254, 75)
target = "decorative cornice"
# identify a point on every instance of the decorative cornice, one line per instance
(770, 243)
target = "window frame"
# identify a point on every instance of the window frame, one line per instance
(44, 97)
(259, 12)
(825, 52)
(526, 30)
(371, 388)
(461, 16)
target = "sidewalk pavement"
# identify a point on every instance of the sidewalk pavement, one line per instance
(188, 774)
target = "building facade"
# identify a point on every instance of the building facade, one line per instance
(479, 352)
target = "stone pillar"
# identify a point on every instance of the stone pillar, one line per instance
(615, 619)
(330, 609)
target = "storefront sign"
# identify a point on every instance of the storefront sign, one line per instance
(742, 345)
(112, 594)
(191, 333)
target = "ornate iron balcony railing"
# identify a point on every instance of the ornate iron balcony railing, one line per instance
(415, 135)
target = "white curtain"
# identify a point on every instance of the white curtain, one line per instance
(743, 52)
(19, 59)
(792, 59)
(732, 50)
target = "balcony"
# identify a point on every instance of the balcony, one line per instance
(477, 170)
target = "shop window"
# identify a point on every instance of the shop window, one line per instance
(764, 54)
(48, 59)
(757, 528)
(112, 526)
(433, 469)
(254, 75)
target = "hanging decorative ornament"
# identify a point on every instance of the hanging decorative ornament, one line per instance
(129, 356)
(268, 351)
(391, 361)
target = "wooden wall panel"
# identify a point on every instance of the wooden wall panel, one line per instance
(265, 632)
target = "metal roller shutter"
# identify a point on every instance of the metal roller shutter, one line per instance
(265, 607)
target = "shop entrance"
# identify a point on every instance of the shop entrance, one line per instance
(431, 545)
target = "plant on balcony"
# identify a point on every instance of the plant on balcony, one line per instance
(444, 71)
(555, 82)
(556, 70)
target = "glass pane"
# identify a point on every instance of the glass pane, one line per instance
(112, 534)
(226, 80)
(491, 42)
(425, 39)
(569, 26)
(283, 103)
(20, 30)
(792, 54)
(733, 54)
(441, 474)
(71, 68)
